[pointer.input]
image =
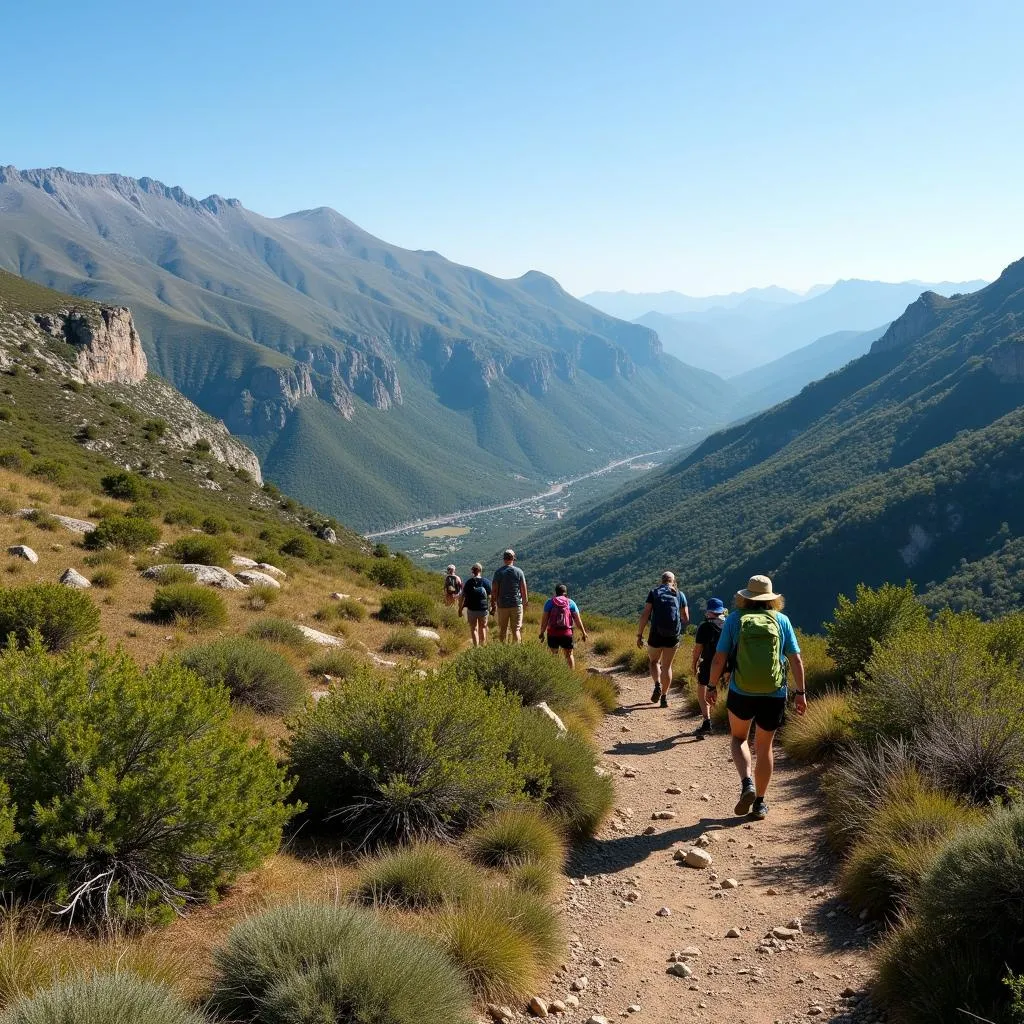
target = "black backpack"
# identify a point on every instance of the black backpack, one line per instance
(451, 584)
(665, 612)
(708, 647)
(474, 592)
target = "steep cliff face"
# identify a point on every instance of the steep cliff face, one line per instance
(107, 346)
(920, 317)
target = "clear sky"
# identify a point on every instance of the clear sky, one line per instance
(637, 144)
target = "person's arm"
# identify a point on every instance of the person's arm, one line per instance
(523, 591)
(579, 623)
(696, 656)
(544, 623)
(462, 601)
(717, 668)
(642, 624)
(796, 663)
(684, 612)
(495, 587)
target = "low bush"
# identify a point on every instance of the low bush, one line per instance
(279, 631)
(7, 833)
(126, 486)
(172, 573)
(603, 691)
(255, 675)
(418, 877)
(261, 596)
(391, 573)
(189, 604)
(345, 609)
(408, 641)
(336, 664)
(300, 545)
(526, 670)
(55, 471)
(405, 758)
(515, 836)
(967, 930)
(215, 525)
(105, 578)
(873, 617)
(120, 998)
(820, 672)
(42, 519)
(166, 800)
(15, 458)
(635, 661)
(198, 549)
(127, 533)
(577, 797)
(1005, 639)
(823, 730)
(183, 515)
(409, 607)
(538, 879)
(144, 510)
(313, 964)
(901, 840)
(602, 645)
(60, 615)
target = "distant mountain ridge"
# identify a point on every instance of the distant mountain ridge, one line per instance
(905, 463)
(632, 305)
(372, 381)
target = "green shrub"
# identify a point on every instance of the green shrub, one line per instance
(1015, 983)
(515, 836)
(42, 519)
(126, 486)
(317, 964)
(120, 998)
(183, 515)
(125, 532)
(603, 691)
(524, 669)
(154, 429)
(418, 877)
(577, 797)
(347, 608)
(408, 641)
(820, 672)
(300, 545)
(106, 578)
(405, 758)
(902, 839)
(873, 617)
(60, 615)
(279, 631)
(391, 573)
(173, 573)
(15, 458)
(56, 471)
(7, 833)
(967, 932)
(190, 605)
(261, 596)
(407, 607)
(538, 879)
(822, 731)
(135, 794)
(256, 676)
(1005, 639)
(337, 664)
(635, 661)
(214, 525)
(144, 510)
(602, 645)
(198, 549)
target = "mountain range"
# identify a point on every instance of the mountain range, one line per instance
(373, 382)
(906, 463)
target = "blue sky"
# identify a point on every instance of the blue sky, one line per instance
(645, 145)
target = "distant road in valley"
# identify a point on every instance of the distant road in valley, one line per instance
(558, 488)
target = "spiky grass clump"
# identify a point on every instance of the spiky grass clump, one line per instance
(336, 664)
(311, 964)
(538, 879)
(901, 841)
(602, 690)
(419, 877)
(513, 837)
(105, 999)
(408, 641)
(635, 661)
(190, 605)
(279, 631)
(826, 728)
(528, 671)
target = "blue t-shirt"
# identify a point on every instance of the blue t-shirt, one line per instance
(731, 635)
(652, 596)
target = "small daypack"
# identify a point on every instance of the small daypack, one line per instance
(475, 593)
(665, 612)
(759, 653)
(560, 619)
(708, 647)
(451, 584)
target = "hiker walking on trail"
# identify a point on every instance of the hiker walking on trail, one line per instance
(668, 614)
(560, 617)
(475, 598)
(452, 586)
(761, 641)
(508, 597)
(705, 644)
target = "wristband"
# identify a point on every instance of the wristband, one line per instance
(799, 693)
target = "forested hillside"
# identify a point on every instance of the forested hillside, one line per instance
(354, 368)
(906, 463)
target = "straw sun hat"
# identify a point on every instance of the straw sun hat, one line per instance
(759, 588)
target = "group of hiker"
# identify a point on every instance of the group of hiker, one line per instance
(750, 652)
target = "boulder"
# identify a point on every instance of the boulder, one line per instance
(428, 634)
(241, 562)
(680, 970)
(68, 522)
(545, 710)
(338, 596)
(272, 569)
(538, 1007)
(323, 639)
(255, 578)
(73, 578)
(208, 575)
(329, 535)
(694, 857)
(23, 551)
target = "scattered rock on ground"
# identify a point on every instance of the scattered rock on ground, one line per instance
(557, 1006)
(272, 569)
(68, 522)
(732, 933)
(23, 551)
(664, 912)
(538, 1007)
(784, 933)
(680, 970)
(73, 578)
(694, 857)
(544, 708)
(597, 1019)
(208, 575)
(580, 984)
(499, 1013)
(241, 562)
(337, 596)
(663, 815)
(255, 578)
(323, 639)
(730, 883)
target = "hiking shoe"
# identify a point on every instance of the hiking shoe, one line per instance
(656, 694)
(664, 701)
(704, 729)
(760, 809)
(747, 799)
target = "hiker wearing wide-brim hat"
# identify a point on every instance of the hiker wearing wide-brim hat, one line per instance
(759, 644)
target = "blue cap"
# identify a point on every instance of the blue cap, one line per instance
(715, 605)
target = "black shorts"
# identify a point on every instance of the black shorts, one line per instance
(768, 712)
(657, 641)
(560, 643)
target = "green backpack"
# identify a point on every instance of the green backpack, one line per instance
(759, 653)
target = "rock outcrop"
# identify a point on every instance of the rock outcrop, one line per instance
(107, 345)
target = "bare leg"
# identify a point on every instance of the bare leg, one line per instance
(570, 658)
(654, 660)
(667, 655)
(763, 746)
(740, 745)
(483, 632)
(702, 700)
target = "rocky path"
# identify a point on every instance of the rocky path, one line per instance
(758, 935)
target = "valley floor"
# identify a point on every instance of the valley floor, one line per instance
(620, 881)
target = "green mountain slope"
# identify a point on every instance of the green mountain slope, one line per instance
(906, 463)
(376, 381)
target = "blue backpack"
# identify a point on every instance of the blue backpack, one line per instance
(665, 612)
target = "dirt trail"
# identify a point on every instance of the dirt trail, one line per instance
(620, 881)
